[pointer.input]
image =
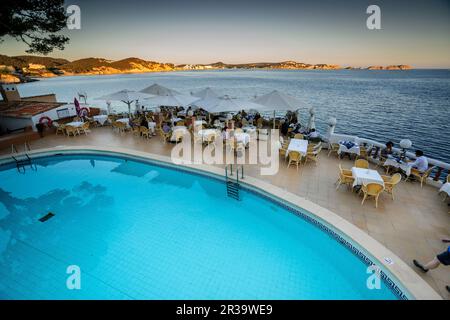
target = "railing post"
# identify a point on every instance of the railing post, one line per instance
(438, 174)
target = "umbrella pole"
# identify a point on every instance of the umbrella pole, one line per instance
(274, 119)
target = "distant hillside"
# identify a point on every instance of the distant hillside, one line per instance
(25, 68)
(83, 65)
(24, 61)
(259, 65)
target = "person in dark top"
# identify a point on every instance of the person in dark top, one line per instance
(285, 128)
(388, 150)
(144, 122)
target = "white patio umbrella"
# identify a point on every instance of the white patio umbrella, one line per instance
(159, 90)
(278, 101)
(171, 100)
(126, 96)
(206, 93)
(225, 104)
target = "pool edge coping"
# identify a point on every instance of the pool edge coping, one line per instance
(416, 287)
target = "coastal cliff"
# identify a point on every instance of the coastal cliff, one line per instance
(27, 68)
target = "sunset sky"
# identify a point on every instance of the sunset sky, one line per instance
(201, 31)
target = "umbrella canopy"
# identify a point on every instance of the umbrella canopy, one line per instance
(126, 96)
(225, 104)
(206, 93)
(159, 90)
(171, 100)
(278, 101)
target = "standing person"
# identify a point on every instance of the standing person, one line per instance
(442, 258)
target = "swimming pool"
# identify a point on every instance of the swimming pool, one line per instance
(139, 230)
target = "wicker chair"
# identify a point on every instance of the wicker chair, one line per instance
(60, 128)
(421, 176)
(144, 132)
(71, 130)
(372, 190)
(294, 157)
(84, 128)
(299, 136)
(390, 182)
(313, 155)
(334, 147)
(345, 177)
(362, 163)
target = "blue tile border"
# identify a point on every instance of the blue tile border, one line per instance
(387, 279)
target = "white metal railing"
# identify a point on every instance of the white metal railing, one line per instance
(437, 175)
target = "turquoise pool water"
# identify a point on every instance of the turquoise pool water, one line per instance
(142, 231)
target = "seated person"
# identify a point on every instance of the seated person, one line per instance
(313, 134)
(285, 128)
(144, 122)
(166, 128)
(388, 150)
(421, 162)
(297, 128)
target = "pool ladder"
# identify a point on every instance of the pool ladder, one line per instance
(232, 183)
(23, 162)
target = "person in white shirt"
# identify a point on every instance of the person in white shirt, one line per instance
(421, 162)
(313, 134)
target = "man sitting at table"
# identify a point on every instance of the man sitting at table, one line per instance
(388, 150)
(421, 163)
(166, 128)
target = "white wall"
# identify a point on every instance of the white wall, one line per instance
(53, 114)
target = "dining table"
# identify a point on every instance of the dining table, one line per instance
(365, 176)
(299, 145)
(399, 164)
(76, 124)
(344, 148)
(101, 118)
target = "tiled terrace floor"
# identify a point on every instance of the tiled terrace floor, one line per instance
(412, 226)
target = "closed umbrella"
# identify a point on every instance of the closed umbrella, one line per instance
(77, 106)
(126, 96)
(159, 90)
(312, 119)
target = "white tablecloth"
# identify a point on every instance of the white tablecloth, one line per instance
(403, 166)
(76, 124)
(101, 118)
(364, 176)
(242, 137)
(298, 145)
(124, 120)
(355, 149)
(249, 130)
(445, 188)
